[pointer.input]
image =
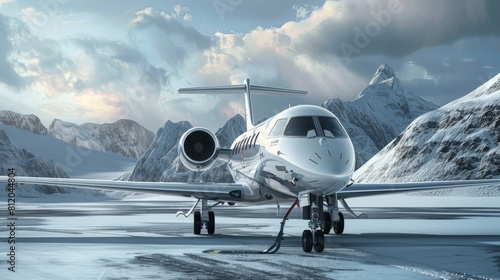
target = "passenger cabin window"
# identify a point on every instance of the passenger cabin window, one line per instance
(331, 127)
(236, 148)
(255, 141)
(245, 145)
(301, 127)
(238, 151)
(277, 128)
(251, 141)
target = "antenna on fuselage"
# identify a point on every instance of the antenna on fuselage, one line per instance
(246, 88)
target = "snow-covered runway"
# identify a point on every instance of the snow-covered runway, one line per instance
(142, 239)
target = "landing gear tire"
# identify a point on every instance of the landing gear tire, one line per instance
(211, 222)
(327, 222)
(307, 241)
(320, 241)
(197, 223)
(338, 227)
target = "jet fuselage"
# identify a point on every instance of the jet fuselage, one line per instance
(302, 149)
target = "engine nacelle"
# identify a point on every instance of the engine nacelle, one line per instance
(198, 149)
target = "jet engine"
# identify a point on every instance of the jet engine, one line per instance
(198, 149)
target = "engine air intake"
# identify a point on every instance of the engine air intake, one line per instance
(198, 149)
(199, 146)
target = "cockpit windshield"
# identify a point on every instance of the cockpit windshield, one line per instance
(331, 127)
(300, 126)
(313, 126)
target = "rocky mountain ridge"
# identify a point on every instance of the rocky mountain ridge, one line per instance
(123, 137)
(379, 113)
(161, 161)
(28, 164)
(459, 141)
(29, 123)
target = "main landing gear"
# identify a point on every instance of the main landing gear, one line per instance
(205, 217)
(320, 222)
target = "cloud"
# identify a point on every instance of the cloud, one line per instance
(2, 2)
(182, 13)
(245, 15)
(307, 54)
(170, 25)
(268, 57)
(136, 75)
(351, 29)
(32, 62)
(102, 80)
(232, 108)
(8, 75)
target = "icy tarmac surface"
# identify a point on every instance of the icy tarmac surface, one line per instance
(142, 239)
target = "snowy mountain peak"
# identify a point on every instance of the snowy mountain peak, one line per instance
(161, 161)
(30, 123)
(483, 94)
(161, 154)
(491, 86)
(74, 134)
(379, 113)
(123, 137)
(495, 84)
(231, 130)
(27, 163)
(458, 141)
(383, 73)
(383, 84)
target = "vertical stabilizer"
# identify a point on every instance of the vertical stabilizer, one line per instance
(248, 105)
(246, 88)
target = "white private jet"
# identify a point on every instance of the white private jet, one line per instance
(301, 154)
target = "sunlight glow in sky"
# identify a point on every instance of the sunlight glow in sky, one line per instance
(99, 61)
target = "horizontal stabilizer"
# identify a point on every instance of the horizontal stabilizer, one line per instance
(239, 89)
(245, 88)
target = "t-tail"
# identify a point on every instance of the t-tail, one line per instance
(246, 87)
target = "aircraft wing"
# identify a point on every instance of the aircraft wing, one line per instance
(212, 191)
(367, 189)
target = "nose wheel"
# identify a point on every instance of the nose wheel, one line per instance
(319, 222)
(319, 245)
(307, 241)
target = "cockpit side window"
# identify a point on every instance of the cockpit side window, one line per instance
(301, 127)
(331, 127)
(278, 128)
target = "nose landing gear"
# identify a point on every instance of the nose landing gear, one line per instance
(314, 237)
(320, 222)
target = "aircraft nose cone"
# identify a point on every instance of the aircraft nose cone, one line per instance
(332, 156)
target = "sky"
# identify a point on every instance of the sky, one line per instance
(100, 61)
